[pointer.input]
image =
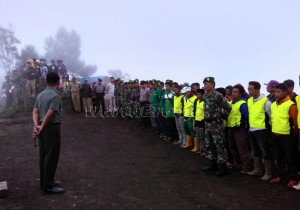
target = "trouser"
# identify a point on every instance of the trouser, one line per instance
(49, 150)
(259, 142)
(229, 155)
(112, 103)
(8, 99)
(158, 122)
(40, 86)
(153, 121)
(215, 142)
(238, 146)
(87, 104)
(284, 150)
(200, 137)
(189, 127)
(100, 102)
(76, 101)
(31, 87)
(180, 129)
(171, 128)
(145, 111)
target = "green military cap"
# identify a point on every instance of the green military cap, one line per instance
(209, 79)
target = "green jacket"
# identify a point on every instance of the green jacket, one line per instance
(162, 93)
(155, 100)
(168, 104)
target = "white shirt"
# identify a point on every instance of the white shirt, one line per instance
(110, 89)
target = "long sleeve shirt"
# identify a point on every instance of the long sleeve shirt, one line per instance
(144, 94)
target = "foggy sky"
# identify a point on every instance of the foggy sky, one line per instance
(185, 40)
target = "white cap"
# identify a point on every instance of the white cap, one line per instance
(186, 89)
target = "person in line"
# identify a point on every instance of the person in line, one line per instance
(216, 109)
(260, 131)
(189, 117)
(75, 89)
(100, 93)
(284, 128)
(199, 147)
(178, 113)
(168, 111)
(86, 96)
(111, 95)
(237, 132)
(271, 89)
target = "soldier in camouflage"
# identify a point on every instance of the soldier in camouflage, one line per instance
(216, 108)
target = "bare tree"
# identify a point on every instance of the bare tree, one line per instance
(27, 52)
(8, 49)
(66, 46)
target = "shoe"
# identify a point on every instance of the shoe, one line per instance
(291, 183)
(182, 145)
(54, 190)
(211, 167)
(297, 186)
(56, 183)
(221, 170)
(229, 165)
(196, 145)
(268, 170)
(188, 142)
(257, 170)
(275, 180)
(203, 154)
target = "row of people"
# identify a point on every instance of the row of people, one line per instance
(229, 126)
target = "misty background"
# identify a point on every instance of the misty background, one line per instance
(234, 40)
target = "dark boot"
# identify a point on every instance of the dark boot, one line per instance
(221, 170)
(212, 166)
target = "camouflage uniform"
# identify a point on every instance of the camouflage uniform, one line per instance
(215, 109)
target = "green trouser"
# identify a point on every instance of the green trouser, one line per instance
(189, 127)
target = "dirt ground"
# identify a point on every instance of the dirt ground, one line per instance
(111, 164)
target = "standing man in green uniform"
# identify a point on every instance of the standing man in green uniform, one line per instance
(46, 117)
(216, 108)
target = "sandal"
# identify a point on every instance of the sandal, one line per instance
(275, 180)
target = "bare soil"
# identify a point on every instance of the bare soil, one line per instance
(109, 163)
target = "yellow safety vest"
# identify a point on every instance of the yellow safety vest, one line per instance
(234, 118)
(177, 104)
(199, 111)
(298, 107)
(188, 109)
(257, 114)
(280, 117)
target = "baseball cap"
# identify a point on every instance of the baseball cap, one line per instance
(186, 89)
(272, 83)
